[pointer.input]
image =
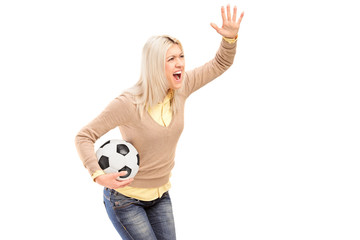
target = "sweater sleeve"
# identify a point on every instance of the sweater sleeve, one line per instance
(115, 114)
(200, 76)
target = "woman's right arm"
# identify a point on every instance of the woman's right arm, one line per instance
(115, 114)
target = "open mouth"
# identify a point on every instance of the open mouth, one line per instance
(177, 75)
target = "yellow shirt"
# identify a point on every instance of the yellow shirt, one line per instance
(162, 114)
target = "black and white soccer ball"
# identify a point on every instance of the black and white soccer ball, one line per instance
(118, 155)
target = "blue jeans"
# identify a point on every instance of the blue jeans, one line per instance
(140, 220)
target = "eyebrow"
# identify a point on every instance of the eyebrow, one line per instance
(174, 55)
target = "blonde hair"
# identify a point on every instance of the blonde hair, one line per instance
(152, 86)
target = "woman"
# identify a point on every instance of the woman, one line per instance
(150, 115)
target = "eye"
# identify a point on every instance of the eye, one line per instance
(170, 59)
(182, 56)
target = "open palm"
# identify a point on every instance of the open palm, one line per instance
(230, 26)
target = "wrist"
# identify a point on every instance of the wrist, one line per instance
(231, 39)
(97, 174)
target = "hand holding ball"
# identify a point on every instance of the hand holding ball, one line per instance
(117, 156)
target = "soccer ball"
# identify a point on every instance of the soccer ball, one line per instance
(118, 155)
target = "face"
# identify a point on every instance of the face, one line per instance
(174, 66)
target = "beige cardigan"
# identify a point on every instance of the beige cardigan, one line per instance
(156, 144)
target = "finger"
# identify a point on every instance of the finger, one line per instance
(215, 26)
(228, 13)
(127, 181)
(116, 176)
(120, 183)
(234, 14)
(124, 183)
(223, 14)
(240, 18)
(119, 174)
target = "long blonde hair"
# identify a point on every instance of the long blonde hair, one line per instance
(152, 86)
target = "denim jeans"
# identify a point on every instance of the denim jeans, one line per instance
(140, 220)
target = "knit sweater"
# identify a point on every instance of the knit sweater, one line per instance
(156, 144)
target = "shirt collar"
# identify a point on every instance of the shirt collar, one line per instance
(169, 96)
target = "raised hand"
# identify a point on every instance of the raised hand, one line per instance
(230, 26)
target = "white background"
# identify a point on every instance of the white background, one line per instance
(270, 150)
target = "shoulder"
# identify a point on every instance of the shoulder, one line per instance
(125, 98)
(120, 107)
(125, 101)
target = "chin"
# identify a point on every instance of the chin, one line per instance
(176, 86)
(177, 83)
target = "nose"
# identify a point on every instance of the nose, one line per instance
(179, 62)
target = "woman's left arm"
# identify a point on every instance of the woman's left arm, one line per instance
(200, 76)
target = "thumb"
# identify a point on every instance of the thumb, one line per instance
(122, 173)
(118, 174)
(215, 26)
